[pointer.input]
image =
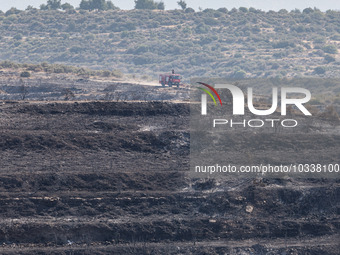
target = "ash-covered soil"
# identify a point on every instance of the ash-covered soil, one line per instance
(112, 178)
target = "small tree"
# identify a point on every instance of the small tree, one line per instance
(161, 6)
(84, 5)
(54, 4)
(67, 6)
(307, 10)
(43, 7)
(29, 8)
(98, 5)
(182, 4)
(283, 11)
(111, 6)
(23, 90)
(145, 4)
(243, 9)
(149, 5)
(68, 94)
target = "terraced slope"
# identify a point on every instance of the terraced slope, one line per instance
(104, 178)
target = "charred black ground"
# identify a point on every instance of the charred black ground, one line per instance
(111, 177)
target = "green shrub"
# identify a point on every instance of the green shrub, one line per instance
(25, 74)
(223, 10)
(189, 10)
(17, 37)
(329, 59)
(243, 9)
(331, 49)
(283, 44)
(320, 70)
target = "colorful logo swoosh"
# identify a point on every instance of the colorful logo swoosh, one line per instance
(213, 90)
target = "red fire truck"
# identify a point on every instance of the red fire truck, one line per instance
(170, 79)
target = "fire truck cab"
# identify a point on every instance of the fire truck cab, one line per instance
(170, 79)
